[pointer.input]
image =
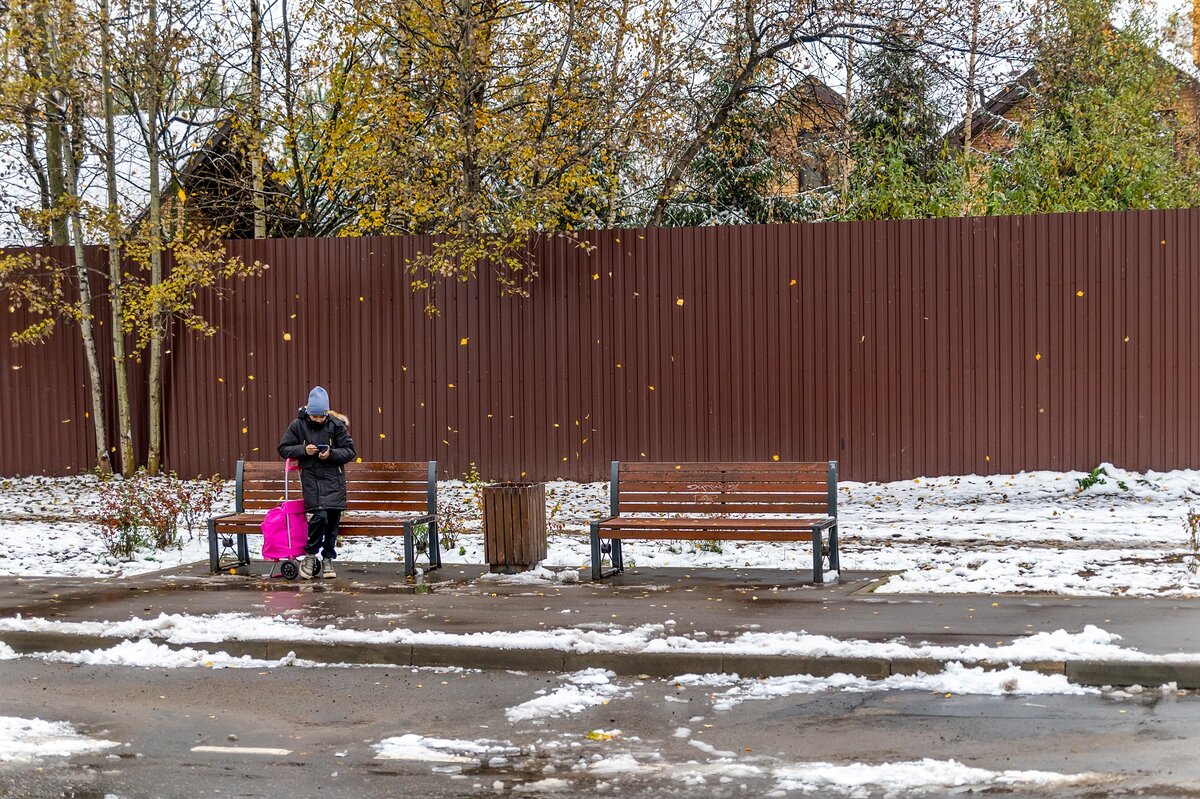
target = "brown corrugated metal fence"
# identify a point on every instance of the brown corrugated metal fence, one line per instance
(898, 348)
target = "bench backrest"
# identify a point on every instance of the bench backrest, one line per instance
(386, 487)
(775, 488)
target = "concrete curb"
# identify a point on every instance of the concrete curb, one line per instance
(654, 664)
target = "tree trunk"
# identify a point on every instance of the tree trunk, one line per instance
(158, 328)
(614, 154)
(103, 463)
(968, 117)
(54, 154)
(847, 129)
(468, 81)
(124, 414)
(256, 151)
(289, 105)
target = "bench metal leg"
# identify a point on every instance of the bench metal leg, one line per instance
(618, 557)
(243, 551)
(818, 569)
(410, 552)
(435, 547)
(597, 572)
(214, 552)
(835, 561)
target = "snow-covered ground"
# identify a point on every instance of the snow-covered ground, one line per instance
(1030, 532)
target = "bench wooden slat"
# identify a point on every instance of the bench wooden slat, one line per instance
(709, 535)
(712, 523)
(685, 478)
(717, 494)
(723, 507)
(358, 492)
(699, 486)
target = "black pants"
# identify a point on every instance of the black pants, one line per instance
(322, 533)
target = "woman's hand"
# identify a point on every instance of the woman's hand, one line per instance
(310, 450)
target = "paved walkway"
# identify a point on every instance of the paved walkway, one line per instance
(700, 602)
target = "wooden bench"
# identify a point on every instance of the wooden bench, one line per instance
(382, 499)
(720, 501)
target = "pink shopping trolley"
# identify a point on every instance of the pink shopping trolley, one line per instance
(285, 532)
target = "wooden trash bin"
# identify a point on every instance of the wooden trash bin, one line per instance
(514, 526)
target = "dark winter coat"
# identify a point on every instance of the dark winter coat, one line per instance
(323, 481)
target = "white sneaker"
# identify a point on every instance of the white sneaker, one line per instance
(307, 567)
(327, 570)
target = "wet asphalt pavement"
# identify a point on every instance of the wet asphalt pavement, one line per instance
(329, 718)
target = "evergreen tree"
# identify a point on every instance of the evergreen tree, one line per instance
(900, 167)
(1100, 135)
(736, 179)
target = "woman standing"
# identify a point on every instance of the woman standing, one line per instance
(319, 440)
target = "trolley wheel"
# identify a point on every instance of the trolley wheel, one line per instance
(317, 567)
(289, 569)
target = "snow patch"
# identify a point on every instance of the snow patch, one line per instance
(584, 689)
(440, 750)
(927, 775)
(28, 740)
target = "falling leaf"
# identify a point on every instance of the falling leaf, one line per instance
(358, 460)
(287, 336)
(451, 385)
(463, 341)
(220, 380)
(251, 377)
(1127, 339)
(1037, 356)
(596, 276)
(382, 436)
(793, 282)
(987, 458)
(360, 299)
(245, 430)
(679, 301)
(774, 457)
(651, 388)
(16, 366)
(1079, 293)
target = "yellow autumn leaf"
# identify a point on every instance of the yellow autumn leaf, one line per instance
(1037, 356)
(679, 301)
(774, 457)
(1079, 293)
(463, 341)
(287, 336)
